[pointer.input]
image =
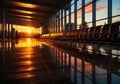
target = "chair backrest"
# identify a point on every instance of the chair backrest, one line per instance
(115, 30)
(106, 29)
(68, 33)
(92, 31)
(80, 33)
(85, 31)
(98, 30)
(75, 32)
(115, 27)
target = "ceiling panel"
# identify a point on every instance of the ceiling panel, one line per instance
(31, 11)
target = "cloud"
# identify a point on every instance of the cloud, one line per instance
(88, 8)
(101, 8)
(116, 10)
(114, 21)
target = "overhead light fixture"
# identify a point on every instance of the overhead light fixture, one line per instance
(22, 11)
(26, 5)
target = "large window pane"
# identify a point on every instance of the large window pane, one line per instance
(72, 18)
(116, 10)
(79, 5)
(79, 13)
(101, 11)
(88, 11)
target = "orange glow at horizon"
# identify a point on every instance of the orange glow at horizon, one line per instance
(29, 31)
(25, 29)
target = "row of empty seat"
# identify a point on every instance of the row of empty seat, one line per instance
(105, 32)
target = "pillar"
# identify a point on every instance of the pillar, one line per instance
(56, 24)
(61, 20)
(83, 13)
(11, 30)
(65, 29)
(109, 11)
(70, 17)
(109, 77)
(3, 23)
(70, 65)
(93, 13)
(83, 71)
(75, 14)
(8, 28)
(75, 69)
(93, 74)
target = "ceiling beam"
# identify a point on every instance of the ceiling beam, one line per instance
(39, 3)
(18, 21)
(32, 15)
(28, 17)
(28, 12)
(46, 12)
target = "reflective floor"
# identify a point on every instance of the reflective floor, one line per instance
(32, 61)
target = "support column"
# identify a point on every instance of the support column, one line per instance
(75, 14)
(109, 11)
(70, 66)
(61, 20)
(109, 77)
(56, 24)
(93, 74)
(61, 58)
(58, 58)
(65, 59)
(83, 13)
(83, 71)
(75, 70)
(3, 23)
(11, 30)
(8, 28)
(70, 17)
(93, 13)
(65, 29)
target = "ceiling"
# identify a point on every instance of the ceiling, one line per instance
(31, 12)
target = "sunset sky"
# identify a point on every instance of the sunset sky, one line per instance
(101, 11)
(27, 29)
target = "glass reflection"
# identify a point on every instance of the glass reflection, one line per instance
(80, 63)
(19, 57)
(85, 69)
(29, 42)
(29, 62)
(24, 42)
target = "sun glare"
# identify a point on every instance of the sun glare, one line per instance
(28, 31)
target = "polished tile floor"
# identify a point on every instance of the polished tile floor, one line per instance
(30, 61)
(27, 62)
